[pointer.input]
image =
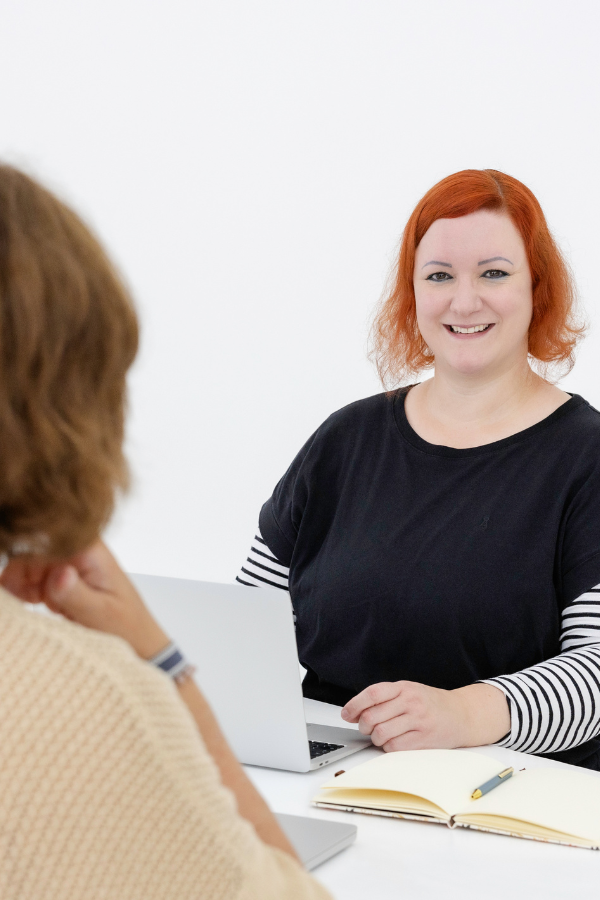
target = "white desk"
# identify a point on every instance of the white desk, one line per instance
(394, 859)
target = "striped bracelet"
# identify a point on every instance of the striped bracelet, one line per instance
(172, 661)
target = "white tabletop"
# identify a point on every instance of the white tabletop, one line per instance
(394, 859)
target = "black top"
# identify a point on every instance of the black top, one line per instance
(414, 561)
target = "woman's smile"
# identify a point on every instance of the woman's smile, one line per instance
(463, 332)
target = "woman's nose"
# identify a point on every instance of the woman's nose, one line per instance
(466, 299)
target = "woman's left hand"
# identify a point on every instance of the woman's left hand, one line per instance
(405, 715)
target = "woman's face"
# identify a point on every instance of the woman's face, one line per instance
(472, 273)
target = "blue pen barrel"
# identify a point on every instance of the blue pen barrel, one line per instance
(492, 783)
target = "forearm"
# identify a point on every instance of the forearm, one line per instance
(555, 704)
(251, 805)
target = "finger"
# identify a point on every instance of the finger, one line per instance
(98, 568)
(24, 579)
(382, 712)
(67, 593)
(371, 696)
(392, 729)
(60, 582)
(410, 740)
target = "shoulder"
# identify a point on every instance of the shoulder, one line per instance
(585, 418)
(28, 632)
(367, 412)
(579, 430)
(366, 407)
(99, 743)
(341, 430)
(97, 689)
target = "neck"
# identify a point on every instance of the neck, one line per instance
(455, 400)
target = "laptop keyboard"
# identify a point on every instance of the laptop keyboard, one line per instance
(318, 748)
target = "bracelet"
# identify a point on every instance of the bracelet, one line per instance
(172, 661)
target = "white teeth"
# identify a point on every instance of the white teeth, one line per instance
(475, 328)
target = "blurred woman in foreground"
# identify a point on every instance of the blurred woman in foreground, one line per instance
(114, 781)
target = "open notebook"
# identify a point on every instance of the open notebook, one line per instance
(547, 804)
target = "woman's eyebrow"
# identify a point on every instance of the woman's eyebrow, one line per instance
(482, 262)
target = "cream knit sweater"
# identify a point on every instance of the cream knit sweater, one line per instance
(106, 789)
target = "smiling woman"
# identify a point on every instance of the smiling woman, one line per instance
(400, 350)
(441, 540)
(475, 322)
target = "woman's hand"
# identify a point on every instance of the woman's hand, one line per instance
(405, 715)
(92, 589)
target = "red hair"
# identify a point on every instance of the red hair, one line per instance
(398, 348)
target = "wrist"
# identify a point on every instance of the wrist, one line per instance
(172, 661)
(151, 641)
(484, 712)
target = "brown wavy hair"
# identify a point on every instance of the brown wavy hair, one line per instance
(397, 347)
(68, 334)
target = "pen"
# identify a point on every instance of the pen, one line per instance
(492, 783)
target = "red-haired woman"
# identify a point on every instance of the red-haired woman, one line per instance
(441, 541)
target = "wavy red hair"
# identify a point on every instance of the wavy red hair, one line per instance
(398, 349)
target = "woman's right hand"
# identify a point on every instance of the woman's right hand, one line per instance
(91, 589)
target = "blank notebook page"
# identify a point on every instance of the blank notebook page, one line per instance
(564, 800)
(446, 777)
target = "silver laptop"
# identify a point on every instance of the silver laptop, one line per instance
(243, 644)
(315, 840)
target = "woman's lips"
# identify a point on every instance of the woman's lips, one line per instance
(472, 335)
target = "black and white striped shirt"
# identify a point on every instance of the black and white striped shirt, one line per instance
(554, 705)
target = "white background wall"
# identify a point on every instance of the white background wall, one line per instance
(250, 164)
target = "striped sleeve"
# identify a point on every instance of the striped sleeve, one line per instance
(555, 704)
(262, 568)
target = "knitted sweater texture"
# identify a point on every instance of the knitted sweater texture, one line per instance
(107, 791)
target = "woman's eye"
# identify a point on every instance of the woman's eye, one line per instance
(439, 276)
(494, 273)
